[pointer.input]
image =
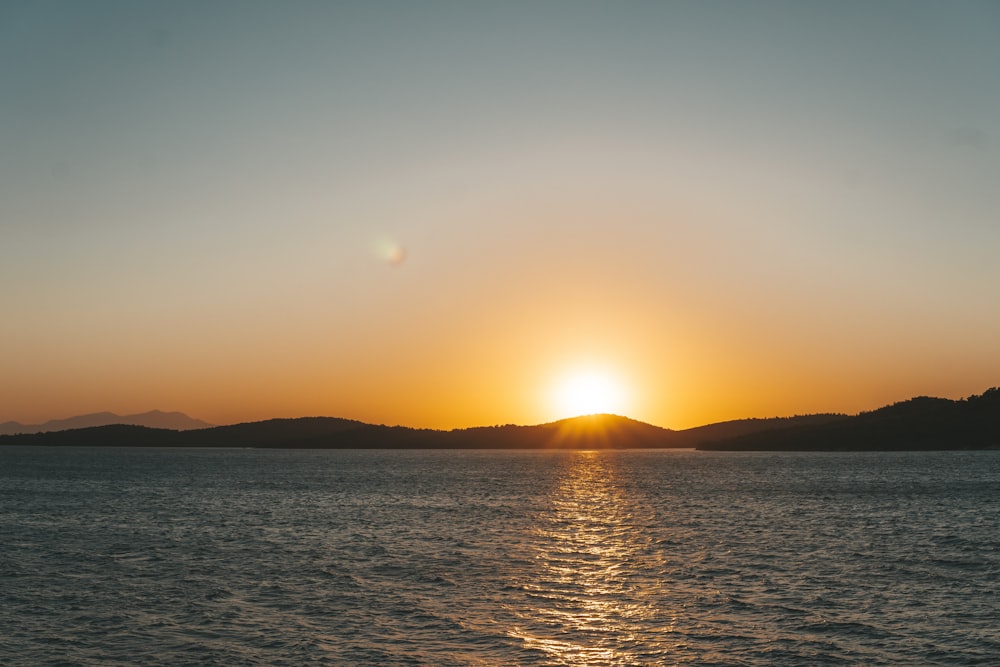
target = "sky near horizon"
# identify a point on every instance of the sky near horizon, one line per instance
(434, 213)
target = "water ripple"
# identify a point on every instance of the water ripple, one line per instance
(243, 557)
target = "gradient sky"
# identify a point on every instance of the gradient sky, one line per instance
(431, 213)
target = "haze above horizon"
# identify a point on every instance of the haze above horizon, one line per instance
(448, 215)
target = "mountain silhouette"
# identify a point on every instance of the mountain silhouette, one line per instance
(589, 432)
(738, 427)
(177, 421)
(919, 423)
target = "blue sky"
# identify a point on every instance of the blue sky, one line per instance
(742, 208)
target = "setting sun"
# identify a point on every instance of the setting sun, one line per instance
(590, 392)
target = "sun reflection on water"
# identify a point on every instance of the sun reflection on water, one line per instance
(588, 605)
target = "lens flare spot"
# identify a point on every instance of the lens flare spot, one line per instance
(390, 251)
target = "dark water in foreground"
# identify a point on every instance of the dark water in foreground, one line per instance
(246, 557)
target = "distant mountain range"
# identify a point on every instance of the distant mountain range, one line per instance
(919, 423)
(177, 421)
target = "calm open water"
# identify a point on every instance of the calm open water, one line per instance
(257, 557)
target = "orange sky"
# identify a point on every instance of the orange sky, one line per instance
(432, 216)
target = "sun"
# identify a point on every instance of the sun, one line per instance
(589, 392)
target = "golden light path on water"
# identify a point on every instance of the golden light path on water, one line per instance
(590, 604)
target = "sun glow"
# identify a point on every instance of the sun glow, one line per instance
(588, 393)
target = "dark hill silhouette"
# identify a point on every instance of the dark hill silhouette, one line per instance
(305, 432)
(737, 427)
(177, 421)
(600, 431)
(921, 423)
(111, 435)
(590, 432)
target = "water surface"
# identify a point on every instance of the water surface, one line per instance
(259, 557)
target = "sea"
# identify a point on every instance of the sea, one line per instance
(128, 556)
